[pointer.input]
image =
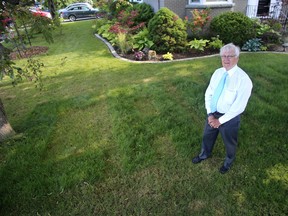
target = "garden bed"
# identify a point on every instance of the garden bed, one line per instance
(176, 56)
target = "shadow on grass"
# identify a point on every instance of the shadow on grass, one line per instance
(91, 135)
(114, 129)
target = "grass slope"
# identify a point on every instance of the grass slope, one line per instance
(107, 137)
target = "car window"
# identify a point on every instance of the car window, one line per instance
(78, 4)
(75, 8)
(85, 8)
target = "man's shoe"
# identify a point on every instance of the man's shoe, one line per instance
(197, 159)
(224, 169)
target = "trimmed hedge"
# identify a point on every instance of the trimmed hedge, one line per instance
(167, 31)
(233, 27)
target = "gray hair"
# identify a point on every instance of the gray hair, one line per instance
(229, 47)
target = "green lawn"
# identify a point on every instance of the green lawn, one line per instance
(109, 137)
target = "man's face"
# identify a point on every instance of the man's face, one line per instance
(229, 60)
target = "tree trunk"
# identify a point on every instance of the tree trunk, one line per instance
(51, 7)
(5, 128)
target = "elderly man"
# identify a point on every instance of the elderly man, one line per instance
(225, 99)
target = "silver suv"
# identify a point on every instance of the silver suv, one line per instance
(74, 4)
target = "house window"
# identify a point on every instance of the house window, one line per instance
(263, 7)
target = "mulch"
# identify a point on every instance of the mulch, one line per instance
(28, 52)
(37, 50)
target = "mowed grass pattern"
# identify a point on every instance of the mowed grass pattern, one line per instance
(109, 137)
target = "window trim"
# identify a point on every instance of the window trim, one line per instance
(204, 2)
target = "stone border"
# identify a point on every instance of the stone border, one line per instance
(115, 54)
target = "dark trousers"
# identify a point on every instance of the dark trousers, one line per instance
(229, 133)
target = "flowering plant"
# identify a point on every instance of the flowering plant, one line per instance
(199, 19)
(139, 55)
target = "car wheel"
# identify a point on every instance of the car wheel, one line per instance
(72, 18)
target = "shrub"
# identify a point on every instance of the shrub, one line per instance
(125, 22)
(145, 13)
(199, 20)
(274, 24)
(233, 27)
(98, 23)
(167, 31)
(268, 31)
(119, 5)
(271, 37)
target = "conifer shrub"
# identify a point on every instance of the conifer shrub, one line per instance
(233, 27)
(145, 12)
(167, 31)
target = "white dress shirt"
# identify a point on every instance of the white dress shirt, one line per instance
(235, 95)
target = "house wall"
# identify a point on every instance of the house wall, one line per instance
(156, 4)
(215, 10)
(182, 8)
(178, 7)
(240, 6)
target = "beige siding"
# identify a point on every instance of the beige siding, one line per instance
(177, 7)
(215, 10)
(240, 6)
(182, 8)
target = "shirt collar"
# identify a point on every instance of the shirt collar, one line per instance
(232, 70)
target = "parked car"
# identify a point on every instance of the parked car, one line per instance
(6, 27)
(38, 12)
(77, 12)
(7, 22)
(74, 4)
(136, 1)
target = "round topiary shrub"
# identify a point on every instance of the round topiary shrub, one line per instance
(233, 27)
(167, 31)
(145, 12)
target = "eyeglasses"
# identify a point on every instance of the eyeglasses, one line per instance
(228, 56)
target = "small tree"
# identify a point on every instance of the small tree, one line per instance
(31, 71)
